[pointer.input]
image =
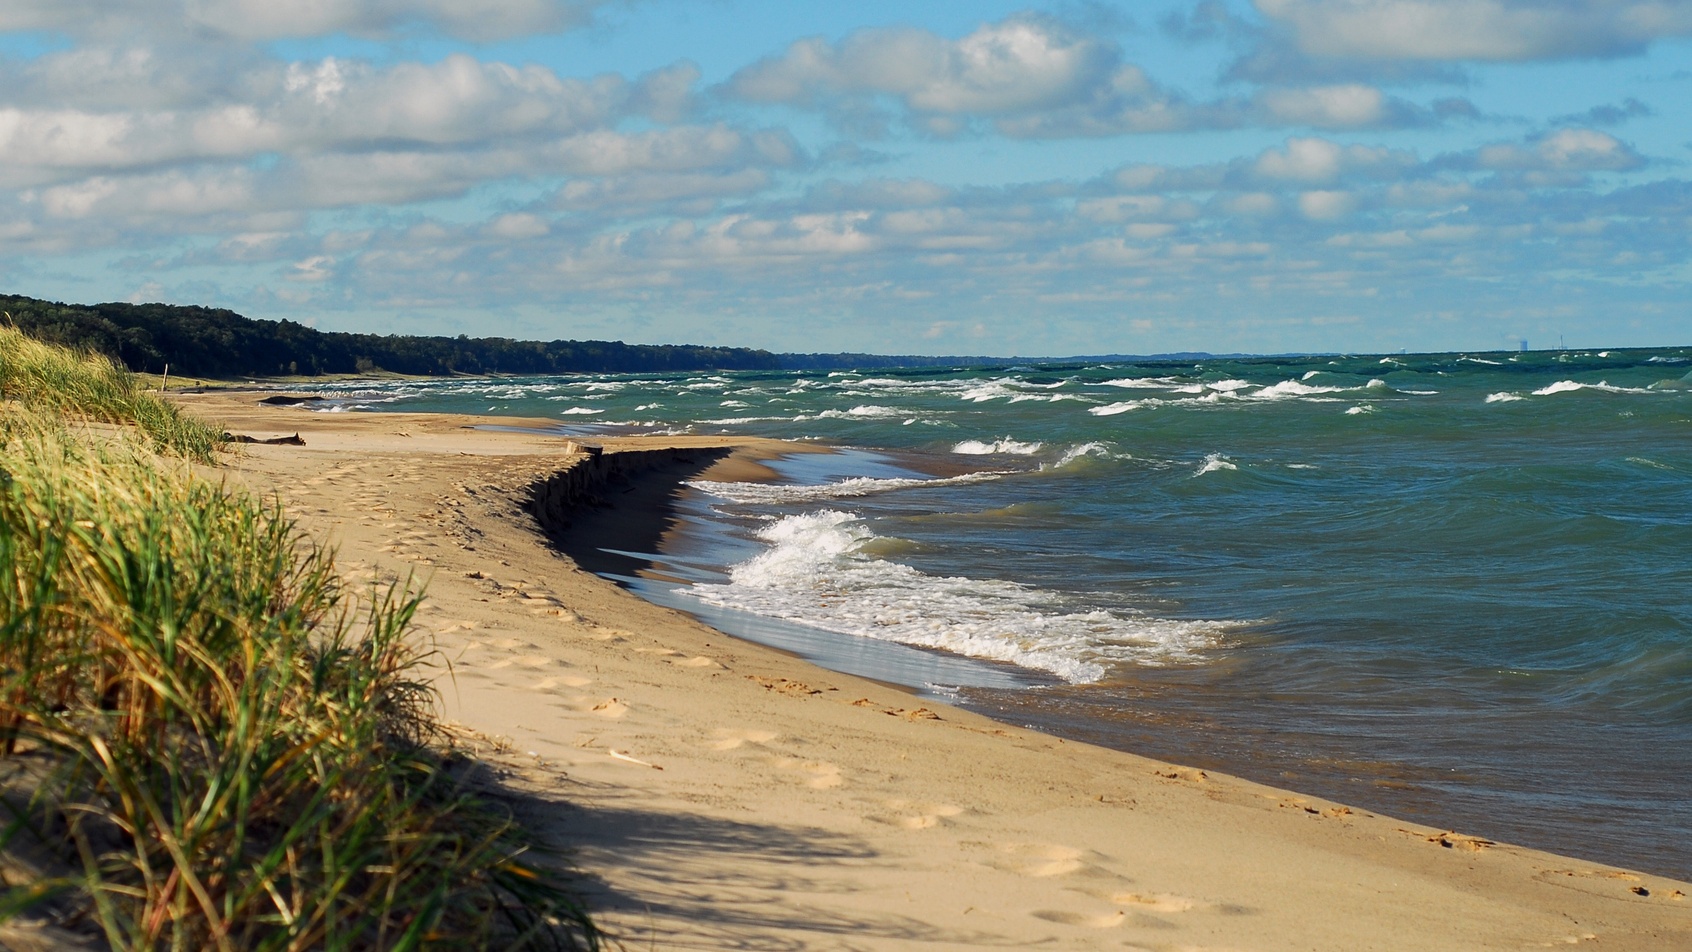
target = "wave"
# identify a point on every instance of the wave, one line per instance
(1215, 463)
(1084, 451)
(1569, 386)
(1503, 397)
(1114, 408)
(821, 571)
(1293, 388)
(1140, 383)
(1006, 446)
(862, 412)
(774, 493)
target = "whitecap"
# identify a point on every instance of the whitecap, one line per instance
(1123, 407)
(991, 390)
(775, 493)
(1140, 383)
(580, 411)
(1085, 450)
(864, 412)
(1503, 397)
(1215, 463)
(1290, 388)
(818, 572)
(1006, 446)
(1569, 386)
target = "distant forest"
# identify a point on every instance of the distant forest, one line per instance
(214, 342)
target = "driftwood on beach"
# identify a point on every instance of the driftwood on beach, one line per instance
(295, 440)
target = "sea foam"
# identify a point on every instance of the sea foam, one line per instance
(1569, 386)
(771, 493)
(818, 573)
(1215, 463)
(1006, 446)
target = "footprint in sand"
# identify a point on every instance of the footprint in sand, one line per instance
(816, 774)
(522, 661)
(916, 815)
(1039, 860)
(611, 707)
(1109, 920)
(568, 681)
(1158, 902)
(735, 739)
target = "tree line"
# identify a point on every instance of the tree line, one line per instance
(216, 342)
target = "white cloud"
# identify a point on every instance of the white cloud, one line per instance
(1563, 150)
(1312, 160)
(1004, 68)
(1326, 204)
(325, 106)
(518, 226)
(267, 20)
(1032, 78)
(1453, 30)
(1346, 106)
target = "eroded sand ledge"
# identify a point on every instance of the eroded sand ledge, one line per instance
(724, 795)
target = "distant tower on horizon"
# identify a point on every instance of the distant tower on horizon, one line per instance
(1524, 345)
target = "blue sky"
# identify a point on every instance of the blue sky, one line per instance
(913, 177)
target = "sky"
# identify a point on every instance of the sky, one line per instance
(920, 177)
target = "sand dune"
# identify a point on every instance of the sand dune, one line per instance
(724, 795)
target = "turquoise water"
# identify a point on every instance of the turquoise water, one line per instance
(1456, 588)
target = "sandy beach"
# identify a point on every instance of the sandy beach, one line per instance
(723, 795)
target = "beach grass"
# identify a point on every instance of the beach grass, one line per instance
(87, 386)
(216, 741)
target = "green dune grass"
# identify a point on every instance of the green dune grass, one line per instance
(232, 749)
(88, 386)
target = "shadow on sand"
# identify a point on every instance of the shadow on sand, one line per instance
(692, 881)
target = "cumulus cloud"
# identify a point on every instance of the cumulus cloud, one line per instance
(1307, 213)
(1029, 77)
(332, 105)
(1311, 160)
(251, 20)
(1005, 68)
(1485, 30)
(1564, 150)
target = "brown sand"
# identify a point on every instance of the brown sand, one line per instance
(724, 795)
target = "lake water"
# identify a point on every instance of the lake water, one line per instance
(1456, 588)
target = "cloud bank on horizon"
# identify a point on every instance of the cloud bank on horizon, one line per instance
(1014, 178)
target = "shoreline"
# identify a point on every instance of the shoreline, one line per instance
(723, 793)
